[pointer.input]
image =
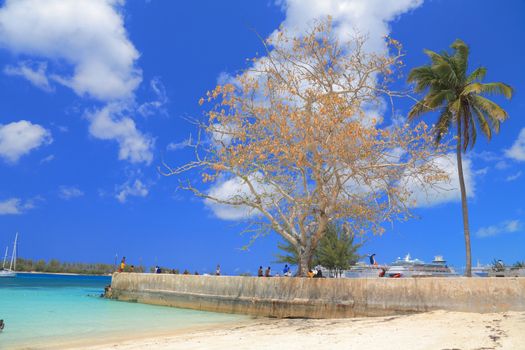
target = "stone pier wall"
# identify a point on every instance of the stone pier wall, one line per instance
(320, 298)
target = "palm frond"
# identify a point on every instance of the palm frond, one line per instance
(493, 123)
(455, 107)
(461, 56)
(435, 57)
(418, 109)
(447, 86)
(490, 108)
(477, 74)
(446, 72)
(482, 121)
(488, 88)
(473, 132)
(437, 99)
(466, 119)
(443, 124)
(423, 76)
(420, 73)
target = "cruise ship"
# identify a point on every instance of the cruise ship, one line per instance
(408, 267)
(481, 270)
(363, 270)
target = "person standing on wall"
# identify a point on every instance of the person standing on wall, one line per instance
(122, 264)
(373, 259)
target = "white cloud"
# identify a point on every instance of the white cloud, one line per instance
(482, 171)
(20, 138)
(69, 192)
(87, 34)
(35, 73)
(15, 206)
(47, 159)
(230, 212)
(157, 106)
(513, 177)
(174, 146)
(421, 195)
(502, 165)
(368, 17)
(221, 134)
(508, 226)
(110, 123)
(517, 151)
(444, 191)
(10, 206)
(137, 189)
(490, 157)
(233, 189)
(88, 38)
(486, 156)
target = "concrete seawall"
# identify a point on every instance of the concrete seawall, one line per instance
(321, 298)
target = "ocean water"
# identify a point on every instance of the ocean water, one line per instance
(50, 311)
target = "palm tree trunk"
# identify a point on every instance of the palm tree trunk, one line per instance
(464, 208)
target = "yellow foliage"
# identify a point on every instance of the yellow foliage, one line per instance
(301, 124)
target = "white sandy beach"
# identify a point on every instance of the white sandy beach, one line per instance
(433, 330)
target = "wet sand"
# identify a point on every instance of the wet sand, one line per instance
(433, 330)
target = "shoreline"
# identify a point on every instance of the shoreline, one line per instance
(61, 273)
(431, 330)
(137, 338)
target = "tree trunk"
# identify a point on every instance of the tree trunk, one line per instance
(305, 259)
(464, 208)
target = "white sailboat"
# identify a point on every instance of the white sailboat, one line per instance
(11, 271)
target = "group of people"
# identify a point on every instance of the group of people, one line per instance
(317, 273)
(287, 272)
(267, 273)
(187, 272)
(122, 266)
(158, 269)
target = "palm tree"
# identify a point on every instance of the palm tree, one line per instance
(458, 98)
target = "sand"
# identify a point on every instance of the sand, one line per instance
(433, 330)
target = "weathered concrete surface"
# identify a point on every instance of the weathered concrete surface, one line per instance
(321, 298)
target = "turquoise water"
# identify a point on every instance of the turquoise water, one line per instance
(42, 310)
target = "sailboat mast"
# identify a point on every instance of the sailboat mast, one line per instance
(12, 266)
(5, 257)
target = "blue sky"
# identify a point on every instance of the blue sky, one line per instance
(94, 96)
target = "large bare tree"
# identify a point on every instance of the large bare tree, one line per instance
(299, 140)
